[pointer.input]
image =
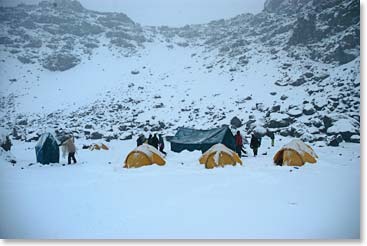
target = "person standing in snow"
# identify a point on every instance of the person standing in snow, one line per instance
(68, 147)
(155, 141)
(150, 139)
(239, 143)
(254, 144)
(272, 137)
(141, 139)
(161, 144)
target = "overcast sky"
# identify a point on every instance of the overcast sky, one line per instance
(169, 12)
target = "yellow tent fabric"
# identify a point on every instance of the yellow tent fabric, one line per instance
(94, 147)
(295, 153)
(98, 147)
(103, 146)
(219, 155)
(144, 155)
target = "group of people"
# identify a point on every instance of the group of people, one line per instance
(255, 142)
(156, 140)
(153, 140)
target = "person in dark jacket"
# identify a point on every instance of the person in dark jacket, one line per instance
(254, 144)
(155, 141)
(161, 144)
(239, 143)
(141, 139)
(150, 139)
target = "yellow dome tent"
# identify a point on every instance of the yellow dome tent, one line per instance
(295, 153)
(144, 155)
(98, 147)
(219, 155)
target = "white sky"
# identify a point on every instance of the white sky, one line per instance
(169, 12)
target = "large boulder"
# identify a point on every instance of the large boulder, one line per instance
(295, 112)
(278, 120)
(275, 108)
(334, 140)
(308, 109)
(341, 124)
(320, 102)
(355, 139)
(236, 122)
(259, 131)
(298, 82)
(96, 135)
(345, 127)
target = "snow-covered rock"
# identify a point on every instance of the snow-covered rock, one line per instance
(345, 127)
(355, 139)
(236, 122)
(259, 131)
(96, 135)
(295, 112)
(308, 109)
(320, 102)
(277, 120)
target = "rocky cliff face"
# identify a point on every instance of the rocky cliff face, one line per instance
(60, 33)
(326, 31)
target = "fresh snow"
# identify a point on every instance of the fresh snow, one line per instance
(97, 198)
(300, 147)
(343, 125)
(202, 86)
(219, 149)
(148, 150)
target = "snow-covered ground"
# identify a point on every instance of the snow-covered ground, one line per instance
(97, 198)
(199, 76)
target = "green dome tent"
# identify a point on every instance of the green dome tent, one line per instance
(47, 149)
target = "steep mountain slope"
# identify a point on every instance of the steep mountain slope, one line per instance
(294, 69)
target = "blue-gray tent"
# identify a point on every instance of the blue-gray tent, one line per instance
(47, 149)
(193, 139)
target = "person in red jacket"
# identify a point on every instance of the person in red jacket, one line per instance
(239, 143)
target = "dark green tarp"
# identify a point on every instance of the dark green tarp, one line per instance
(193, 139)
(47, 150)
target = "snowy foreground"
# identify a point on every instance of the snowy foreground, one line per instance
(97, 198)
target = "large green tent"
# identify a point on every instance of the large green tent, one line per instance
(194, 139)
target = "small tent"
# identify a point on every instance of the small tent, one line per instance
(98, 147)
(193, 139)
(295, 153)
(47, 149)
(144, 155)
(219, 155)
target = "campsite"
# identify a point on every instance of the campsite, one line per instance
(181, 199)
(258, 113)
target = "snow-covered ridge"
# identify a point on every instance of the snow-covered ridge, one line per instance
(102, 75)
